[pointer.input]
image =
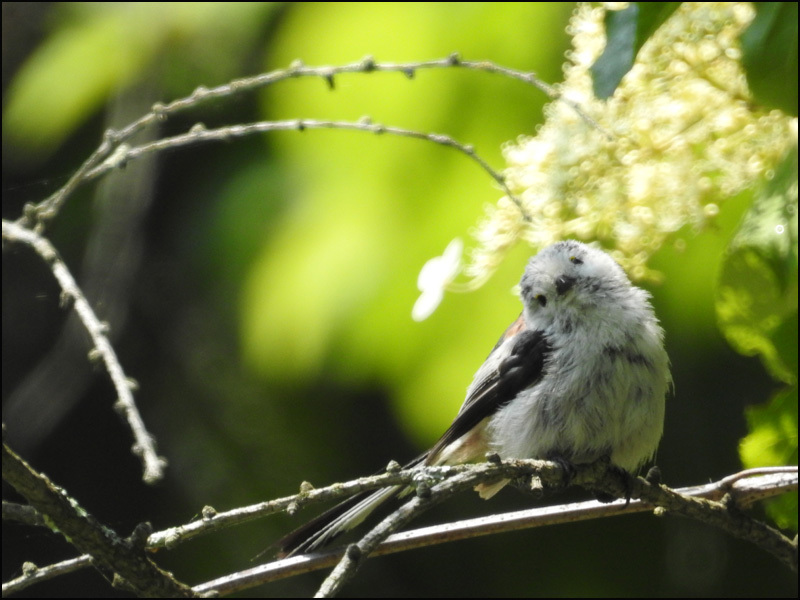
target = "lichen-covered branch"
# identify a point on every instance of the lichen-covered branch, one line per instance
(123, 560)
(717, 504)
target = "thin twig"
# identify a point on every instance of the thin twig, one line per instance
(213, 521)
(37, 215)
(124, 558)
(32, 573)
(780, 481)
(426, 498)
(22, 513)
(144, 444)
(199, 134)
(724, 513)
(597, 476)
(749, 486)
(328, 73)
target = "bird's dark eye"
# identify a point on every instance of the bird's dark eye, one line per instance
(575, 260)
(541, 299)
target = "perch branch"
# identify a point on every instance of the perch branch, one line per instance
(123, 561)
(746, 488)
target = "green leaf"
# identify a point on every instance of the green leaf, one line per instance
(773, 441)
(626, 31)
(98, 49)
(757, 311)
(72, 72)
(769, 47)
(757, 292)
(773, 437)
(652, 16)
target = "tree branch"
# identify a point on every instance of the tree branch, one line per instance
(32, 573)
(717, 504)
(37, 215)
(716, 508)
(599, 477)
(144, 443)
(122, 560)
(747, 487)
(199, 134)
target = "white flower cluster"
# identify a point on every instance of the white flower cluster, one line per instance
(678, 136)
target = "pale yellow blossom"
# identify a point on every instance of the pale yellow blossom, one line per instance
(677, 138)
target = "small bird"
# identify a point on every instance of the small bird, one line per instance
(581, 375)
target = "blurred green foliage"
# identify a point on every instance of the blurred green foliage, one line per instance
(367, 211)
(757, 309)
(98, 50)
(769, 49)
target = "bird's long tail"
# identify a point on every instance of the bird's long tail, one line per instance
(341, 518)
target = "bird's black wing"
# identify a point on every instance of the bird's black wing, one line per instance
(522, 368)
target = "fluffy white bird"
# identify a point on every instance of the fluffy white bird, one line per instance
(581, 374)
